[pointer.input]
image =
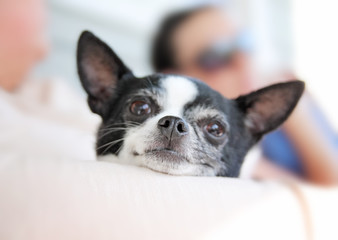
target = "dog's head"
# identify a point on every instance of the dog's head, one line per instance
(175, 124)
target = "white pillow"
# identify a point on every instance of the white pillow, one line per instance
(44, 199)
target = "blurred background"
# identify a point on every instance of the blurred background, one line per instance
(45, 120)
(300, 35)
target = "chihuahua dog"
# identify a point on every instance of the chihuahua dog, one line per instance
(175, 124)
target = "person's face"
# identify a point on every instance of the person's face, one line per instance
(22, 41)
(199, 33)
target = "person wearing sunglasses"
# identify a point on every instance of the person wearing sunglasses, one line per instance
(205, 43)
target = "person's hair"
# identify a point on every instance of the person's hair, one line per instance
(162, 51)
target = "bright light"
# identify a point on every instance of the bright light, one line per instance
(315, 35)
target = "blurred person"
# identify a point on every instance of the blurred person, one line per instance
(23, 42)
(205, 43)
(38, 117)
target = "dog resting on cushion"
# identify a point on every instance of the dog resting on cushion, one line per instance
(175, 124)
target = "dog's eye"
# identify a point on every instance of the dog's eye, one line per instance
(140, 108)
(215, 129)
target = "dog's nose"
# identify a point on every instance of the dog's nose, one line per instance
(173, 127)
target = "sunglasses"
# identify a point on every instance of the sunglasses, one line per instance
(221, 53)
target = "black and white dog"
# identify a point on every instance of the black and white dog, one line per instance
(175, 124)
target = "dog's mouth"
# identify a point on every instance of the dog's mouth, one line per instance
(164, 154)
(169, 161)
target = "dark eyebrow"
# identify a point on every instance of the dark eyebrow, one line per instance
(203, 112)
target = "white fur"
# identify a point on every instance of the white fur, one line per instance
(179, 91)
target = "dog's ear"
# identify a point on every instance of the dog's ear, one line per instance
(269, 107)
(99, 69)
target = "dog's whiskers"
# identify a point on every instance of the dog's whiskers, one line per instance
(132, 123)
(119, 126)
(150, 86)
(111, 130)
(127, 123)
(112, 142)
(118, 150)
(109, 145)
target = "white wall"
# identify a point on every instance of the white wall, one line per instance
(127, 26)
(315, 34)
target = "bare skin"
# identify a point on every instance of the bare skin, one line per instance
(22, 42)
(319, 158)
(197, 33)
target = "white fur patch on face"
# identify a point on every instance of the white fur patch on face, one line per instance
(179, 92)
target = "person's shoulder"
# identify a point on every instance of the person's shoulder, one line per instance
(54, 99)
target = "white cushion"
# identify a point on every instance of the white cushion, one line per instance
(43, 199)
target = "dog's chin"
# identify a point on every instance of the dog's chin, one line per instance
(167, 155)
(171, 162)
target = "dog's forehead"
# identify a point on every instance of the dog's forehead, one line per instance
(179, 91)
(181, 96)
